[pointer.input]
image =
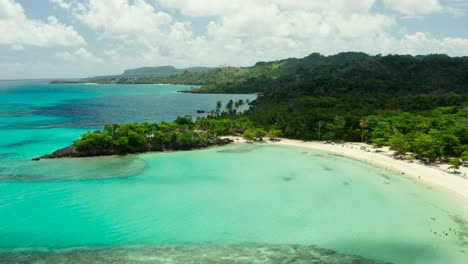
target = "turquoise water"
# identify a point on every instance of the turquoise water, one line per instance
(252, 197)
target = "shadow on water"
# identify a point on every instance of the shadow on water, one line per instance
(384, 176)
(174, 254)
(321, 155)
(326, 168)
(22, 143)
(244, 149)
(68, 124)
(15, 110)
(8, 155)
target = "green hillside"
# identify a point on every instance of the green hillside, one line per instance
(411, 103)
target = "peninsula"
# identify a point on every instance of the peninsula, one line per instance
(121, 139)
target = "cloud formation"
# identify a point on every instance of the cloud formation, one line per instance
(17, 30)
(414, 7)
(133, 33)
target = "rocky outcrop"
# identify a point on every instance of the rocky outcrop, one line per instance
(60, 153)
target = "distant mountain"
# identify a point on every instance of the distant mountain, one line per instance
(144, 72)
(161, 71)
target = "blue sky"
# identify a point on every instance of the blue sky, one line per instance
(79, 38)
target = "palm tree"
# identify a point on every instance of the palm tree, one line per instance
(218, 107)
(363, 124)
(229, 106)
(455, 164)
(320, 124)
(111, 130)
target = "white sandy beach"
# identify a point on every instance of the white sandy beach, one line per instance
(435, 176)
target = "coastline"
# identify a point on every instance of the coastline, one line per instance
(432, 176)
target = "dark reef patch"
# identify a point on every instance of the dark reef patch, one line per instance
(206, 254)
(84, 169)
(287, 178)
(462, 232)
(245, 149)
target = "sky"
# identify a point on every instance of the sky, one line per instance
(82, 38)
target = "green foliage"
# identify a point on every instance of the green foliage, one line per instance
(414, 104)
(338, 75)
(428, 146)
(248, 135)
(400, 143)
(136, 140)
(464, 156)
(455, 164)
(259, 133)
(184, 120)
(121, 143)
(94, 141)
(274, 134)
(183, 133)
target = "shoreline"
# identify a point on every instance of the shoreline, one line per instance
(436, 176)
(432, 176)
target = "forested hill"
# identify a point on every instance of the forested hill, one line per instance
(349, 73)
(417, 104)
(139, 73)
(337, 93)
(412, 103)
(160, 71)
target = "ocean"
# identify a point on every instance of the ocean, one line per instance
(245, 203)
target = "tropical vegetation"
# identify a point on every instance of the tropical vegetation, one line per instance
(413, 104)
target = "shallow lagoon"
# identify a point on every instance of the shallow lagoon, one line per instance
(235, 200)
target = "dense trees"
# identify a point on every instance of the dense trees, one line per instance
(413, 104)
(430, 134)
(183, 133)
(345, 73)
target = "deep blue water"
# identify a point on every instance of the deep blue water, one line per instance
(37, 117)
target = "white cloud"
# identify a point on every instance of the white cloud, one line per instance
(244, 32)
(136, 29)
(17, 29)
(205, 7)
(227, 7)
(80, 55)
(60, 3)
(414, 7)
(417, 42)
(134, 33)
(119, 18)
